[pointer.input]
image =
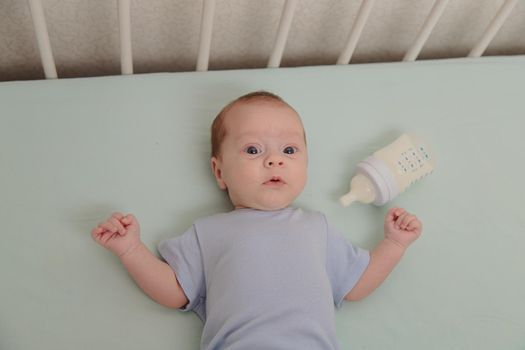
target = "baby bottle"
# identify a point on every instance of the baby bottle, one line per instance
(389, 171)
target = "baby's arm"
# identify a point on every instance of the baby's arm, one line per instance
(401, 229)
(121, 235)
(155, 277)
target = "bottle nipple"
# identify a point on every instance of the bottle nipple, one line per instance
(361, 189)
(348, 199)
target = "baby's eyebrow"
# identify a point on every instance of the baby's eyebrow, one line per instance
(295, 137)
(284, 134)
(247, 138)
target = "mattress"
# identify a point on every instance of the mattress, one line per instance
(74, 150)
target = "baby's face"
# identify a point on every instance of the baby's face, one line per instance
(263, 161)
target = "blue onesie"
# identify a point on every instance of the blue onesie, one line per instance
(265, 279)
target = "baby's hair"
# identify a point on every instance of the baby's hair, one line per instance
(218, 130)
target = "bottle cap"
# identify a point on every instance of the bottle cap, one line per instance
(381, 177)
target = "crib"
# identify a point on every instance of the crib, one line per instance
(73, 150)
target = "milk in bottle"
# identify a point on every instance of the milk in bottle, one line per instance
(389, 171)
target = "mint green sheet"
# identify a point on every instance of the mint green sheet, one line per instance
(72, 151)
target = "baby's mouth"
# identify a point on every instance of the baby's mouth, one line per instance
(274, 180)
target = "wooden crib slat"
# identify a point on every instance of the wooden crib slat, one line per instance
(428, 26)
(208, 11)
(126, 55)
(42, 37)
(355, 32)
(282, 33)
(494, 26)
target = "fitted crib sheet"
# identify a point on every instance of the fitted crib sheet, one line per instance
(72, 151)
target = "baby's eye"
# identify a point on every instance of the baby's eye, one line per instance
(252, 150)
(289, 150)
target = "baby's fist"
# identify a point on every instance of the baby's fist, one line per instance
(119, 233)
(402, 227)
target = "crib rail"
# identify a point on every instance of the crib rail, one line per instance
(289, 8)
(42, 38)
(126, 56)
(492, 29)
(428, 26)
(208, 11)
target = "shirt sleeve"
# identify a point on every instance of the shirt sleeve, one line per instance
(345, 264)
(184, 255)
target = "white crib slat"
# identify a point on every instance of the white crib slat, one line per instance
(126, 56)
(208, 11)
(42, 37)
(492, 29)
(282, 33)
(355, 32)
(428, 26)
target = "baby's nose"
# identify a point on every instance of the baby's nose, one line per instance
(274, 162)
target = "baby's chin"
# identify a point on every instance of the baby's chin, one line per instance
(266, 206)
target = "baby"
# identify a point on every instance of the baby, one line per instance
(265, 275)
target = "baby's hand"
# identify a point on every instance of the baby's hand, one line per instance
(402, 227)
(119, 233)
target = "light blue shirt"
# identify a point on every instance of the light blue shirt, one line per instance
(265, 279)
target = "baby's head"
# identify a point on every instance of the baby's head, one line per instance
(259, 152)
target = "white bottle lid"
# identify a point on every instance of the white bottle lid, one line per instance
(381, 177)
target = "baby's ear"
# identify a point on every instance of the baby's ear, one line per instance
(216, 168)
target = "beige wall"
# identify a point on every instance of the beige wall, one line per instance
(165, 34)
